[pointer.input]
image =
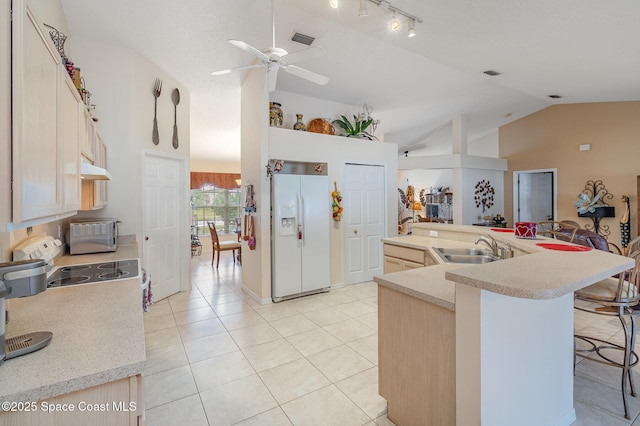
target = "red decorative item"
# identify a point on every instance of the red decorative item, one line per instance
(525, 230)
(502, 230)
(563, 247)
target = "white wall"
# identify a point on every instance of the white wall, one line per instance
(486, 146)
(470, 177)
(256, 264)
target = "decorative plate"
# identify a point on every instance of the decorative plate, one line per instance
(563, 247)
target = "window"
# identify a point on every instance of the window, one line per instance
(222, 206)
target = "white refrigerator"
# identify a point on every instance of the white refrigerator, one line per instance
(301, 212)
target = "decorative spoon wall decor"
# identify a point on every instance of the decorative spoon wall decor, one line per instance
(157, 89)
(175, 97)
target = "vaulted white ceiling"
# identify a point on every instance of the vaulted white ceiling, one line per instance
(583, 50)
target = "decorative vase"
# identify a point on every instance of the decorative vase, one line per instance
(299, 125)
(275, 114)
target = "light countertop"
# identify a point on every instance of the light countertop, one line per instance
(536, 273)
(98, 335)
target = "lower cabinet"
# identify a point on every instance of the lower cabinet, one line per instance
(397, 258)
(117, 403)
(416, 359)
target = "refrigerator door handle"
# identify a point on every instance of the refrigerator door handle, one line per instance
(302, 216)
(298, 219)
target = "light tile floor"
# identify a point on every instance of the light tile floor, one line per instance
(217, 357)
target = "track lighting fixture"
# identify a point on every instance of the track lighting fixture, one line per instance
(363, 8)
(412, 28)
(394, 24)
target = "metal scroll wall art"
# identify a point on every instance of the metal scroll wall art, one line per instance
(592, 203)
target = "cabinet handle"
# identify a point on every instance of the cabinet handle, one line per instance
(146, 238)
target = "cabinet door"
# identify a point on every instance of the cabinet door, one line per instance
(392, 264)
(71, 127)
(89, 137)
(100, 196)
(411, 265)
(36, 151)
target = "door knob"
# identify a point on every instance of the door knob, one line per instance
(355, 231)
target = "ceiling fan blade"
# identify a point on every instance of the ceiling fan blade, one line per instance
(230, 70)
(301, 55)
(272, 75)
(306, 74)
(249, 49)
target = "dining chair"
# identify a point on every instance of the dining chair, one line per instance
(615, 296)
(220, 246)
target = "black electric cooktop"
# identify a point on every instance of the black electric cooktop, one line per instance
(93, 273)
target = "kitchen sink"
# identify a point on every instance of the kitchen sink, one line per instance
(474, 259)
(461, 251)
(472, 256)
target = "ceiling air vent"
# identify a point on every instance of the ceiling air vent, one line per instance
(302, 38)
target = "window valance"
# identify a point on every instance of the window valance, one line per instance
(219, 180)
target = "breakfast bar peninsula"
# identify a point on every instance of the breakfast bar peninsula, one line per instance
(481, 343)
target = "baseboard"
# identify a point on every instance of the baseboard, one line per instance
(255, 296)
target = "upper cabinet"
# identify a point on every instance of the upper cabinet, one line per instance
(51, 128)
(36, 148)
(72, 127)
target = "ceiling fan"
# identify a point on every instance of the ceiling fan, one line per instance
(275, 58)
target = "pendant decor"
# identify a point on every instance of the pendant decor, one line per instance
(335, 205)
(484, 195)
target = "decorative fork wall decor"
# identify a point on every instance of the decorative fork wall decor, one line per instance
(157, 89)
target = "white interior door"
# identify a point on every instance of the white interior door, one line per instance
(162, 206)
(363, 202)
(535, 196)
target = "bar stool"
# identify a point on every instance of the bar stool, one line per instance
(615, 296)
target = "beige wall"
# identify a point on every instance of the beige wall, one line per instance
(551, 138)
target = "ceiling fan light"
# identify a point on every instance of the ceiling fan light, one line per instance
(363, 8)
(394, 24)
(333, 3)
(412, 28)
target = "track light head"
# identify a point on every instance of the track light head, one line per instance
(412, 28)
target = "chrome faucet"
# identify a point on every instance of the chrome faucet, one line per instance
(490, 242)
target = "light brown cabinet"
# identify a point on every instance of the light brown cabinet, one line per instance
(120, 403)
(398, 258)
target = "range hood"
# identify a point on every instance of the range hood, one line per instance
(91, 172)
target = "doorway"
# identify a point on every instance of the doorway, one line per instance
(163, 210)
(534, 195)
(364, 216)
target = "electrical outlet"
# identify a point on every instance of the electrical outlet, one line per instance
(433, 233)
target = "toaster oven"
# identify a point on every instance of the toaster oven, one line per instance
(92, 236)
